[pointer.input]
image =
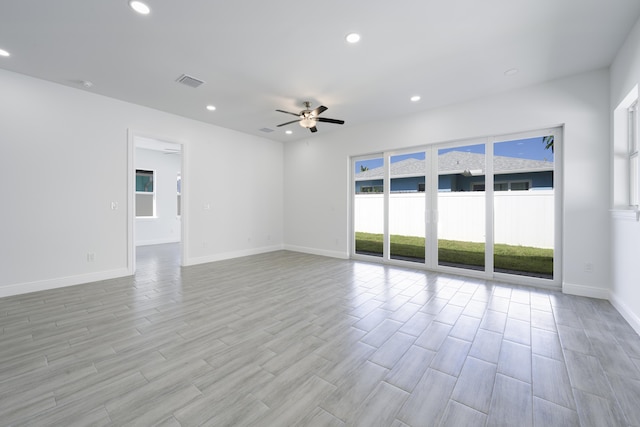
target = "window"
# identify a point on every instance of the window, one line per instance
(179, 187)
(519, 185)
(371, 189)
(145, 193)
(632, 121)
(625, 170)
(504, 186)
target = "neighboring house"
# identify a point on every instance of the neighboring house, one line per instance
(460, 171)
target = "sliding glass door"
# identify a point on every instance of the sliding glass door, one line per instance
(524, 206)
(368, 206)
(485, 207)
(461, 206)
(407, 207)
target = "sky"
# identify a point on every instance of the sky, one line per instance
(531, 148)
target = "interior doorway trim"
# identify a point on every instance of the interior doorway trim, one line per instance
(132, 135)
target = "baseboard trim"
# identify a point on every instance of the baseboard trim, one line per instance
(314, 251)
(230, 255)
(61, 282)
(157, 242)
(585, 291)
(626, 312)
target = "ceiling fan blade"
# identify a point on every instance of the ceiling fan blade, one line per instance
(288, 112)
(326, 120)
(313, 129)
(319, 110)
(288, 123)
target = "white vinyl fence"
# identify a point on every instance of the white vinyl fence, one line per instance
(522, 218)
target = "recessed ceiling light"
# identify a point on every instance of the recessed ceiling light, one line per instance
(289, 132)
(511, 72)
(353, 37)
(211, 108)
(4, 53)
(139, 7)
(415, 98)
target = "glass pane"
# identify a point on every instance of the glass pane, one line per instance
(524, 215)
(144, 204)
(633, 180)
(179, 188)
(461, 206)
(633, 128)
(406, 207)
(368, 207)
(144, 181)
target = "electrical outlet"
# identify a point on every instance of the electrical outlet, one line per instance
(588, 267)
(91, 257)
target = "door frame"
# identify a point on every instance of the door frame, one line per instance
(132, 135)
(431, 209)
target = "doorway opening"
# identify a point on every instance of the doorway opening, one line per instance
(155, 194)
(486, 207)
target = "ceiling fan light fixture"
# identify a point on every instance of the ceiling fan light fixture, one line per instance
(308, 122)
(308, 118)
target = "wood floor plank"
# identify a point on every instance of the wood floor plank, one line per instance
(406, 373)
(551, 381)
(475, 384)
(457, 414)
(511, 403)
(429, 399)
(353, 390)
(285, 338)
(515, 361)
(451, 356)
(380, 407)
(547, 414)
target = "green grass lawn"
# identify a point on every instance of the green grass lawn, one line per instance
(506, 257)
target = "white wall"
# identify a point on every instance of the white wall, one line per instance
(317, 210)
(64, 161)
(625, 229)
(165, 227)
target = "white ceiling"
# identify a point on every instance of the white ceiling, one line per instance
(258, 56)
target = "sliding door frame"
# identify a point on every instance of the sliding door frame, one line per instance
(432, 213)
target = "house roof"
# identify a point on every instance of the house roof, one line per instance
(457, 162)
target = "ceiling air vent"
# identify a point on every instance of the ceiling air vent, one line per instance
(266, 130)
(189, 81)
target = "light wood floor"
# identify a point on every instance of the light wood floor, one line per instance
(286, 339)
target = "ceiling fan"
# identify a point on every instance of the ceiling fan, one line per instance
(308, 118)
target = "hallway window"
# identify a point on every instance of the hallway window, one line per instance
(145, 193)
(179, 187)
(632, 115)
